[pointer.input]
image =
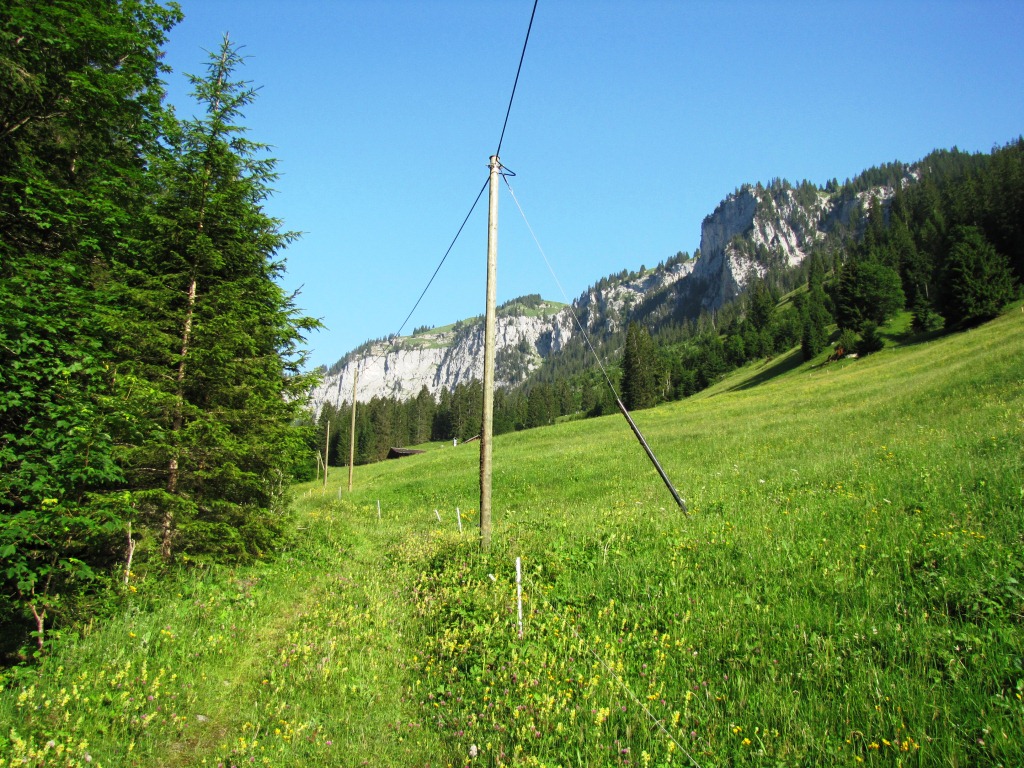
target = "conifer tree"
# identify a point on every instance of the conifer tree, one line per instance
(979, 281)
(640, 369)
(814, 318)
(223, 364)
(867, 291)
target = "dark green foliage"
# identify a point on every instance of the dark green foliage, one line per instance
(867, 291)
(541, 407)
(870, 339)
(815, 320)
(847, 342)
(979, 281)
(762, 301)
(215, 336)
(641, 374)
(142, 335)
(78, 99)
(925, 319)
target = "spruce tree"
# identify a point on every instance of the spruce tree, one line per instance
(867, 291)
(979, 281)
(640, 369)
(815, 319)
(223, 358)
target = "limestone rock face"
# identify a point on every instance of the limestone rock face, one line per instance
(443, 359)
(753, 230)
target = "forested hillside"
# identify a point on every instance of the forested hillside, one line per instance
(943, 237)
(149, 362)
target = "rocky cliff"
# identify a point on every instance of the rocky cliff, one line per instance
(755, 229)
(443, 358)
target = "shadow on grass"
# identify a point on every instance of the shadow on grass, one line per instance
(784, 364)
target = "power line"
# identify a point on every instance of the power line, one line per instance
(426, 288)
(506, 173)
(586, 337)
(441, 264)
(514, 84)
(508, 112)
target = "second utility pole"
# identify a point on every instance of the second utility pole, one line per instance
(352, 431)
(486, 428)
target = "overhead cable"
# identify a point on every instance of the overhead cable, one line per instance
(454, 239)
(586, 337)
(514, 84)
(426, 288)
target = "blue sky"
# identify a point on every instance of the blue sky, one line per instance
(631, 122)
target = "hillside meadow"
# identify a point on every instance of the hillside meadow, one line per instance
(845, 590)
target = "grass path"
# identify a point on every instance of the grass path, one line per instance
(299, 662)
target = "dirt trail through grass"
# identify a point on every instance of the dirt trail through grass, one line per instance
(299, 662)
(322, 679)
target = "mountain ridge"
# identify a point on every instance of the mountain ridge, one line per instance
(754, 230)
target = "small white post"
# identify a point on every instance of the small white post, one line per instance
(458, 516)
(352, 430)
(378, 509)
(519, 594)
(438, 514)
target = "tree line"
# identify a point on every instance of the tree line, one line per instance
(948, 244)
(150, 364)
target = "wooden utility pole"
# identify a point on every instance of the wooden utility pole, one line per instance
(487, 427)
(352, 431)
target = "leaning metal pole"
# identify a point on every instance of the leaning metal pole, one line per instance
(487, 425)
(651, 456)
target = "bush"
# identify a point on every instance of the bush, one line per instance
(870, 339)
(847, 342)
(925, 319)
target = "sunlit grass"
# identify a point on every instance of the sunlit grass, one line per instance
(845, 591)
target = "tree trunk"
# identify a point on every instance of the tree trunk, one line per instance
(167, 529)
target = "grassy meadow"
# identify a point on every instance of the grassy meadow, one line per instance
(846, 590)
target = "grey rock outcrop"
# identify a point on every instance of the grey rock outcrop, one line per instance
(751, 231)
(443, 359)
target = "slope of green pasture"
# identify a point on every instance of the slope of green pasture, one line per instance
(846, 588)
(845, 591)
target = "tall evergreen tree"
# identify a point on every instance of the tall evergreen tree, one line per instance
(761, 305)
(224, 367)
(979, 280)
(867, 291)
(640, 369)
(540, 406)
(814, 318)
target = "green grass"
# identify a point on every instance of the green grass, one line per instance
(845, 591)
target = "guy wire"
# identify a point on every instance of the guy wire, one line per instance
(586, 337)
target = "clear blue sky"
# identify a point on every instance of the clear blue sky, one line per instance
(631, 122)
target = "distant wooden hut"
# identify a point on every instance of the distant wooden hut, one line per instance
(399, 453)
